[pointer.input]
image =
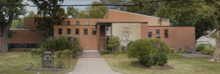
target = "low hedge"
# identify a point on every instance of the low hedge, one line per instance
(208, 51)
(105, 52)
(174, 56)
(36, 51)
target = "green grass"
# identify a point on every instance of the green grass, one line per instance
(16, 62)
(181, 66)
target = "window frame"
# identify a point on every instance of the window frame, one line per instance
(60, 33)
(86, 22)
(76, 31)
(85, 32)
(166, 35)
(77, 22)
(93, 31)
(69, 31)
(67, 22)
(149, 33)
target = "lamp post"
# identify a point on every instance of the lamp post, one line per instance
(69, 38)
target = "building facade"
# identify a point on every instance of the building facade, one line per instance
(94, 33)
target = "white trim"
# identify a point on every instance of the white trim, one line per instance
(133, 13)
(19, 29)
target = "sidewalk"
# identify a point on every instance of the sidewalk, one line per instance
(92, 63)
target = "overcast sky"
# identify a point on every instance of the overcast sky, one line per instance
(66, 2)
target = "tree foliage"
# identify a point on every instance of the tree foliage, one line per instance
(114, 43)
(74, 12)
(7, 14)
(144, 8)
(17, 24)
(115, 2)
(50, 14)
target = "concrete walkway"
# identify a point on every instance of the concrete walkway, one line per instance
(92, 63)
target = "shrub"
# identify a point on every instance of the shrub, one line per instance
(66, 53)
(172, 50)
(36, 51)
(59, 64)
(174, 56)
(123, 49)
(129, 44)
(200, 47)
(145, 49)
(115, 56)
(179, 50)
(160, 59)
(49, 43)
(59, 54)
(208, 51)
(105, 52)
(119, 51)
(113, 43)
(62, 42)
(75, 48)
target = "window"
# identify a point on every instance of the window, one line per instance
(77, 32)
(85, 31)
(93, 31)
(60, 31)
(107, 28)
(68, 31)
(87, 22)
(166, 33)
(158, 33)
(96, 22)
(67, 22)
(77, 22)
(149, 33)
(23, 45)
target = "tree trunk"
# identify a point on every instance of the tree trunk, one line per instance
(4, 46)
(217, 50)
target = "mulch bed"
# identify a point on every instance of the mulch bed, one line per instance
(166, 67)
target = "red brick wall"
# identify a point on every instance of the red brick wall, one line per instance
(144, 30)
(88, 42)
(177, 36)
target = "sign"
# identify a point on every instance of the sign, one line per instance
(48, 58)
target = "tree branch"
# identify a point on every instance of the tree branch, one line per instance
(216, 2)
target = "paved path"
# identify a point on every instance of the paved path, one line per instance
(195, 55)
(92, 63)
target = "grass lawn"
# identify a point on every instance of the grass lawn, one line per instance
(16, 62)
(181, 66)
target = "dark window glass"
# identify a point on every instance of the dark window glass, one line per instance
(60, 31)
(77, 22)
(166, 33)
(77, 32)
(68, 31)
(93, 31)
(23, 45)
(87, 22)
(68, 23)
(107, 28)
(85, 31)
(158, 31)
(149, 33)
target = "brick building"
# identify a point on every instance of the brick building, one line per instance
(95, 32)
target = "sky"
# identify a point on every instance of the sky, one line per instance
(66, 2)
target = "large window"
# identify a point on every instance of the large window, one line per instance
(85, 31)
(23, 45)
(166, 33)
(77, 32)
(149, 33)
(93, 31)
(87, 22)
(68, 31)
(60, 31)
(77, 23)
(67, 22)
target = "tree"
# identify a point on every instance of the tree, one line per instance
(84, 14)
(116, 2)
(7, 14)
(143, 8)
(18, 24)
(74, 12)
(31, 15)
(186, 8)
(114, 43)
(50, 14)
(97, 11)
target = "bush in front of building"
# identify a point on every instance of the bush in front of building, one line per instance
(129, 44)
(200, 47)
(174, 56)
(172, 50)
(36, 51)
(123, 49)
(208, 51)
(114, 43)
(75, 48)
(60, 64)
(119, 51)
(62, 42)
(59, 54)
(146, 51)
(105, 52)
